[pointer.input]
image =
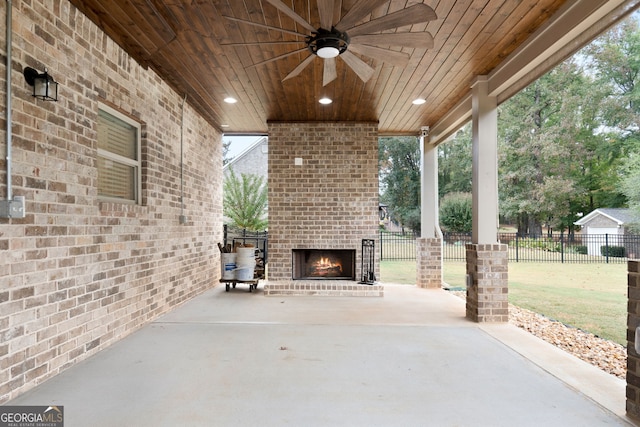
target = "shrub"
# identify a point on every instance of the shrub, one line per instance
(543, 244)
(456, 212)
(613, 251)
(580, 249)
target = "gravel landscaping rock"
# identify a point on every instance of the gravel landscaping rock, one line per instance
(607, 355)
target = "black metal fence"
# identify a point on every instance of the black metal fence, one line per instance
(232, 236)
(397, 246)
(579, 248)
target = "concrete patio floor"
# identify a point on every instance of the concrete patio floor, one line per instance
(409, 358)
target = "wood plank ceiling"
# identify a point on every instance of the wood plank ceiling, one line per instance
(186, 43)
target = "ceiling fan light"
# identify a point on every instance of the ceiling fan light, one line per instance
(327, 52)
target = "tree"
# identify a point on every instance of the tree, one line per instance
(630, 183)
(568, 143)
(245, 201)
(554, 161)
(399, 165)
(226, 146)
(614, 59)
(454, 163)
(564, 138)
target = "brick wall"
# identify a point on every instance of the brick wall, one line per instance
(77, 274)
(330, 201)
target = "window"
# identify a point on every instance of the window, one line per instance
(118, 157)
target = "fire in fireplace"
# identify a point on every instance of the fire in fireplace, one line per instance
(334, 264)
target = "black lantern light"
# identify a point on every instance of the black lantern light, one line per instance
(44, 87)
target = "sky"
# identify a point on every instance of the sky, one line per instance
(239, 143)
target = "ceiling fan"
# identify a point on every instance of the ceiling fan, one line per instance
(345, 37)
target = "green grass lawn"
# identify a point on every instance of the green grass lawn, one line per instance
(592, 297)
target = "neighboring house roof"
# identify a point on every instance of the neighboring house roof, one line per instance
(254, 160)
(619, 215)
(238, 159)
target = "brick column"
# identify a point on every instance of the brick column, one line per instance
(487, 284)
(429, 262)
(633, 358)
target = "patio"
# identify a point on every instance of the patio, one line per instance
(409, 358)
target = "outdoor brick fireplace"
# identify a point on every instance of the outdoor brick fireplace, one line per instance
(323, 196)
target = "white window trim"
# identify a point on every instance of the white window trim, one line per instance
(136, 164)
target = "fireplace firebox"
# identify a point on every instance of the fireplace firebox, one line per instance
(319, 264)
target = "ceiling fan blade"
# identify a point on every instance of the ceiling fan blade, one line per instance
(278, 57)
(357, 12)
(422, 40)
(361, 68)
(231, 18)
(291, 14)
(329, 73)
(325, 10)
(415, 14)
(262, 43)
(399, 59)
(300, 67)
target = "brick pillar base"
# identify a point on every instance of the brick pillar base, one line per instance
(487, 284)
(633, 321)
(429, 262)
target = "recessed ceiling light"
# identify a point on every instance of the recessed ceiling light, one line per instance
(230, 100)
(419, 101)
(325, 101)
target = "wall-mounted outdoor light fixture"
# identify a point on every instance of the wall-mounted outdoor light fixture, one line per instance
(44, 87)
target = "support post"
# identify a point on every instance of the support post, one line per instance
(633, 355)
(487, 271)
(484, 163)
(429, 245)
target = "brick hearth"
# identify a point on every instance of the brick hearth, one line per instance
(329, 288)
